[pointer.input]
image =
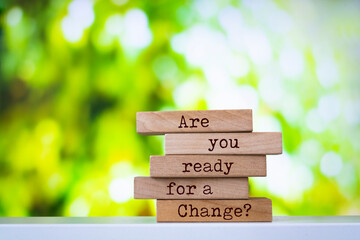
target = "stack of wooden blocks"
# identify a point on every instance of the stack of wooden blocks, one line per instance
(203, 176)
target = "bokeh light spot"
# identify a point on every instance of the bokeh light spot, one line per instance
(121, 169)
(72, 31)
(203, 41)
(80, 16)
(278, 20)
(14, 16)
(329, 107)
(298, 177)
(165, 68)
(347, 176)
(137, 32)
(119, 2)
(121, 189)
(55, 181)
(310, 152)
(233, 97)
(178, 42)
(352, 112)
(327, 72)
(258, 47)
(271, 91)
(292, 109)
(314, 122)
(267, 124)
(81, 11)
(238, 66)
(231, 20)
(331, 164)
(114, 25)
(189, 93)
(79, 208)
(291, 62)
(206, 9)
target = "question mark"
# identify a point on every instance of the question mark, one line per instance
(247, 209)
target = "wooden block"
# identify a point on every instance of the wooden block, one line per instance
(157, 123)
(224, 143)
(208, 166)
(251, 210)
(191, 188)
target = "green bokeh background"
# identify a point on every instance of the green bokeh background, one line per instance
(74, 74)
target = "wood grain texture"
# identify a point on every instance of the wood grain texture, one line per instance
(191, 188)
(251, 210)
(224, 143)
(208, 166)
(157, 123)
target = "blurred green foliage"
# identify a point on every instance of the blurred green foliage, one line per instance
(74, 73)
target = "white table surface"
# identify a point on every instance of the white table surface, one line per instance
(68, 228)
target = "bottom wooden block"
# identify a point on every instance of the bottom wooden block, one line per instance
(250, 210)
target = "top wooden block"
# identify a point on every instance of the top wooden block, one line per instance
(162, 122)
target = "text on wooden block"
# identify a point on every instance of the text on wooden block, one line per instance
(208, 166)
(250, 210)
(155, 123)
(224, 143)
(190, 188)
